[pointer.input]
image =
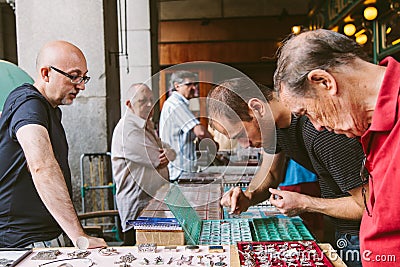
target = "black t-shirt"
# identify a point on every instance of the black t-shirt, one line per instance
(336, 159)
(23, 217)
(290, 140)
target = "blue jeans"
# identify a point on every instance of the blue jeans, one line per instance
(348, 249)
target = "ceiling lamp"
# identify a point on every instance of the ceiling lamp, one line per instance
(296, 29)
(349, 29)
(335, 29)
(361, 39)
(388, 30)
(370, 13)
(395, 42)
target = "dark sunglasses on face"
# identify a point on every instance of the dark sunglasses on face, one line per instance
(191, 84)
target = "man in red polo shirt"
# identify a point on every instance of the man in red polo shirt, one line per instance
(325, 75)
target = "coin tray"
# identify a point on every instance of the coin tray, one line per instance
(280, 229)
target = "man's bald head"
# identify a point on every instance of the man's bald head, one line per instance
(135, 91)
(56, 63)
(139, 99)
(58, 53)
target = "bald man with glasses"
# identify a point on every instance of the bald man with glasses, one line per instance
(35, 179)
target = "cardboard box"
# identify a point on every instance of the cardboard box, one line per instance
(161, 238)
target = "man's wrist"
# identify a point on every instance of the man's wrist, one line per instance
(249, 196)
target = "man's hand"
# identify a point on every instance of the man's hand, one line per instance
(163, 159)
(288, 203)
(236, 200)
(85, 241)
(95, 242)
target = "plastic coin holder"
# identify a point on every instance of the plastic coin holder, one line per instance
(216, 232)
(277, 229)
(205, 232)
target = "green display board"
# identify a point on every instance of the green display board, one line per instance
(11, 76)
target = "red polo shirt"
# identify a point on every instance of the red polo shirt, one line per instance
(380, 233)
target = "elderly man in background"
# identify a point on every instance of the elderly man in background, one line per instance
(139, 158)
(326, 76)
(179, 127)
(35, 179)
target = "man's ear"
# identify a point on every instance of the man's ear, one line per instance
(128, 103)
(257, 106)
(44, 73)
(322, 79)
(176, 85)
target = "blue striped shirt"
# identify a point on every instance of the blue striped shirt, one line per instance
(176, 124)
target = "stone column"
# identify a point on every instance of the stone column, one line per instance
(140, 29)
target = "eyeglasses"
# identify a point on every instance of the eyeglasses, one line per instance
(191, 84)
(300, 113)
(75, 79)
(296, 115)
(304, 112)
(365, 175)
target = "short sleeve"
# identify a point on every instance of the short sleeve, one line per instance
(32, 111)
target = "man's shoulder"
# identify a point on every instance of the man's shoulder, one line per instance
(22, 94)
(27, 90)
(173, 104)
(26, 96)
(329, 141)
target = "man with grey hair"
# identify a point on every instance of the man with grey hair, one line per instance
(325, 75)
(179, 127)
(139, 158)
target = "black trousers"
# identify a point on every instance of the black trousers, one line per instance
(129, 238)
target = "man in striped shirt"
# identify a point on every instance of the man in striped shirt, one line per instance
(179, 127)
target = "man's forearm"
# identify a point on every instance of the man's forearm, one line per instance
(342, 208)
(52, 189)
(268, 175)
(258, 191)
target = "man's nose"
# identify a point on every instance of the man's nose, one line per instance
(81, 86)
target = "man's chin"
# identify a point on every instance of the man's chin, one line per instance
(67, 102)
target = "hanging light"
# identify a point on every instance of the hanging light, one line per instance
(388, 30)
(296, 29)
(395, 42)
(335, 29)
(370, 13)
(362, 39)
(349, 29)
